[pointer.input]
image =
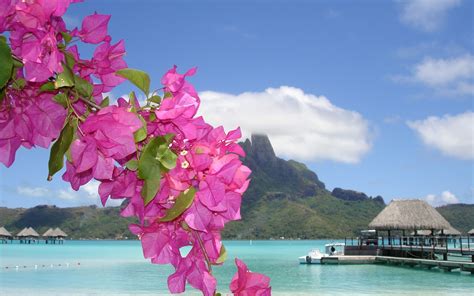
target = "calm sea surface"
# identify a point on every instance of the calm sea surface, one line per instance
(118, 268)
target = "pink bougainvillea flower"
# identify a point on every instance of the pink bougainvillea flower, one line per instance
(107, 137)
(174, 81)
(247, 283)
(107, 60)
(94, 28)
(28, 119)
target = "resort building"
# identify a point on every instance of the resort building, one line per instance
(5, 235)
(28, 236)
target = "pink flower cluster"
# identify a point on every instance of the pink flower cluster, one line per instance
(29, 117)
(197, 177)
(208, 160)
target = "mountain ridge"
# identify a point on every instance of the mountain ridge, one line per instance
(284, 199)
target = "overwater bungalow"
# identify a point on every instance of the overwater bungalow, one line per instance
(414, 215)
(60, 235)
(49, 235)
(28, 236)
(5, 235)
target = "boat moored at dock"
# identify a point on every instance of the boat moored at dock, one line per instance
(315, 256)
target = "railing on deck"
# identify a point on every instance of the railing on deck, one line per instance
(463, 245)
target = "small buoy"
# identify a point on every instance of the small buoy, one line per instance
(36, 266)
(51, 265)
(67, 265)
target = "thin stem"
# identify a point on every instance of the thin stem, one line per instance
(90, 103)
(201, 245)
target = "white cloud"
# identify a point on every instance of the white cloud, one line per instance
(67, 194)
(447, 77)
(446, 197)
(444, 72)
(33, 191)
(426, 15)
(452, 135)
(87, 194)
(301, 126)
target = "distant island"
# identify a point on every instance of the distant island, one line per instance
(285, 199)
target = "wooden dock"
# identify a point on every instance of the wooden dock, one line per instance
(427, 263)
(348, 260)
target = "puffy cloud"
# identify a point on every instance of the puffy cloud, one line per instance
(452, 135)
(426, 15)
(87, 194)
(446, 197)
(300, 125)
(437, 72)
(33, 191)
(447, 77)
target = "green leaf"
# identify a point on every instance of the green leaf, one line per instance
(139, 78)
(167, 95)
(183, 202)
(48, 86)
(61, 99)
(222, 255)
(2, 94)
(67, 37)
(105, 102)
(65, 78)
(148, 164)
(150, 189)
(83, 87)
(140, 134)
(56, 157)
(155, 99)
(168, 159)
(218, 294)
(132, 164)
(6, 63)
(17, 63)
(19, 84)
(70, 61)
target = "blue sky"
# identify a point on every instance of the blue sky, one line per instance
(375, 96)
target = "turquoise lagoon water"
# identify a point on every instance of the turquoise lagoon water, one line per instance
(118, 268)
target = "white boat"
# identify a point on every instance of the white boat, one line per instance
(314, 256)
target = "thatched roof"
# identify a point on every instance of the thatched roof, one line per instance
(48, 232)
(28, 232)
(4, 232)
(471, 232)
(451, 231)
(59, 232)
(22, 231)
(409, 214)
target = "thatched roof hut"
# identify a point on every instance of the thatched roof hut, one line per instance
(4, 232)
(408, 214)
(22, 232)
(29, 232)
(471, 232)
(48, 233)
(59, 233)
